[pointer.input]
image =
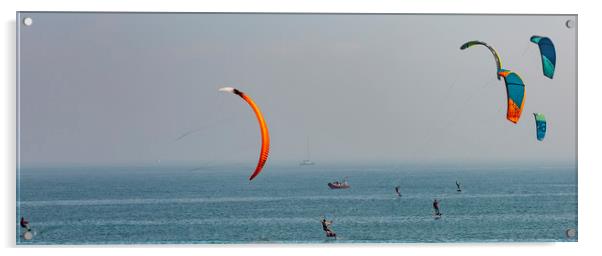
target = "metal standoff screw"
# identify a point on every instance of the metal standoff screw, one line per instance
(27, 21)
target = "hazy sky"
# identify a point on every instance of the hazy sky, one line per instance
(120, 88)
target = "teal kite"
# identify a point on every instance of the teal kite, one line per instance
(548, 54)
(541, 125)
(515, 89)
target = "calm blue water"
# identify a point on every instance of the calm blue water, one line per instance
(283, 205)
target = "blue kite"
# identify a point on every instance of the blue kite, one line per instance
(541, 126)
(548, 54)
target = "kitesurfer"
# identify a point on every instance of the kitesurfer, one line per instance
(25, 224)
(436, 207)
(325, 226)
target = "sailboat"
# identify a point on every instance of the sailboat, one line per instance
(306, 161)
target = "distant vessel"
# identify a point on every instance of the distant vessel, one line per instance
(306, 161)
(339, 185)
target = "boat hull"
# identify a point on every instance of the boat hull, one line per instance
(338, 186)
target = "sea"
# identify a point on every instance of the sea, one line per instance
(183, 205)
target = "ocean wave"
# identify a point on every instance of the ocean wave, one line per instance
(340, 220)
(138, 201)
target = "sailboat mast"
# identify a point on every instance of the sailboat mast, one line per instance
(307, 149)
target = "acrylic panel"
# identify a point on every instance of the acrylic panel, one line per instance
(195, 128)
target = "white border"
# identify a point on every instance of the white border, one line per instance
(588, 104)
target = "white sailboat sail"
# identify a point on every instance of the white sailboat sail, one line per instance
(307, 160)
